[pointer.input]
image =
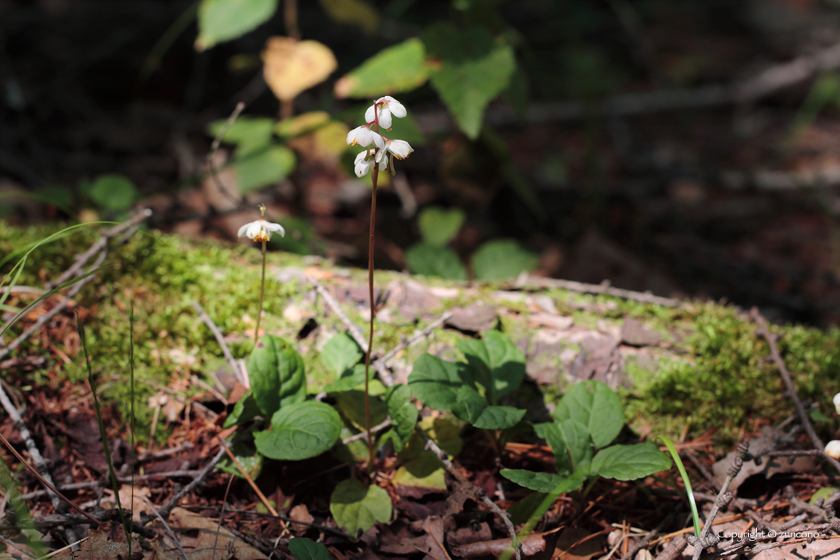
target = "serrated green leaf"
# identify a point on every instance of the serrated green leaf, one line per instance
(435, 382)
(470, 70)
(500, 259)
(341, 353)
(596, 406)
(629, 462)
(350, 379)
(539, 482)
(300, 431)
(392, 70)
(403, 415)
(571, 444)
(113, 192)
(246, 453)
(305, 549)
(277, 374)
(262, 168)
(424, 471)
(223, 20)
(248, 133)
(244, 410)
(431, 260)
(357, 508)
(439, 226)
(495, 362)
(352, 406)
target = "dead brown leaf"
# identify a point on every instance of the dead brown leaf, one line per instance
(198, 537)
(292, 66)
(105, 543)
(824, 549)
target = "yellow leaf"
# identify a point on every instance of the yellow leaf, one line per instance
(291, 66)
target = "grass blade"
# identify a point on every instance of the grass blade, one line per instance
(680, 467)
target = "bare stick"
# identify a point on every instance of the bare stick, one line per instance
(166, 527)
(91, 484)
(363, 435)
(220, 339)
(166, 508)
(786, 377)
(239, 466)
(416, 337)
(598, 289)
(378, 365)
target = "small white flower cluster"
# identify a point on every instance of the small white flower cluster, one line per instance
(833, 447)
(378, 115)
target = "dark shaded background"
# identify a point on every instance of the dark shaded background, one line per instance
(679, 192)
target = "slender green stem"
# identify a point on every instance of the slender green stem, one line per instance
(262, 296)
(374, 179)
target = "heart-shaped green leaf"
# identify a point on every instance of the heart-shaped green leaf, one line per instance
(305, 549)
(596, 406)
(494, 362)
(629, 462)
(473, 408)
(436, 382)
(403, 415)
(356, 507)
(431, 260)
(439, 226)
(223, 20)
(501, 259)
(470, 69)
(395, 69)
(277, 374)
(341, 353)
(571, 444)
(300, 431)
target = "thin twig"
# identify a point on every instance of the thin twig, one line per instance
(378, 365)
(92, 484)
(527, 281)
(416, 337)
(786, 377)
(363, 435)
(166, 528)
(166, 508)
(286, 518)
(250, 481)
(503, 515)
(220, 339)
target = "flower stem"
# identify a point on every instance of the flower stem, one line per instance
(262, 295)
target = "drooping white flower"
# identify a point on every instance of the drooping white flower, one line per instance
(362, 167)
(363, 136)
(837, 403)
(387, 107)
(833, 449)
(400, 148)
(261, 230)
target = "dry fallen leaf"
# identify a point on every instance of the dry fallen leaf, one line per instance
(105, 543)
(292, 66)
(198, 537)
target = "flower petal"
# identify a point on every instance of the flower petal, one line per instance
(397, 109)
(370, 114)
(243, 229)
(377, 140)
(385, 118)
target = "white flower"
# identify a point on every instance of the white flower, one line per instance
(837, 403)
(388, 106)
(363, 136)
(833, 449)
(400, 148)
(363, 167)
(260, 230)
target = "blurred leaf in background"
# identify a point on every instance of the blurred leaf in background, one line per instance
(502, 258)
(353, 12)
(223, 20)
(393, 70)
(433, 260)
(112, 192)
(438, 226)
(291, 66)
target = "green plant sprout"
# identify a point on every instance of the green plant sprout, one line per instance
(378, 114)
(695, 516)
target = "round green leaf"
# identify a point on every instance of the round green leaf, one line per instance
(495, 362)
(277, 374)
(305, 549)
(596, 406)
(431, 260)
(436, 382)
(223, 20)
(356, 507)
(300, 431)
(438, 226)
(264, 167)
(113, 192)
(341, 353)
(500, 259)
